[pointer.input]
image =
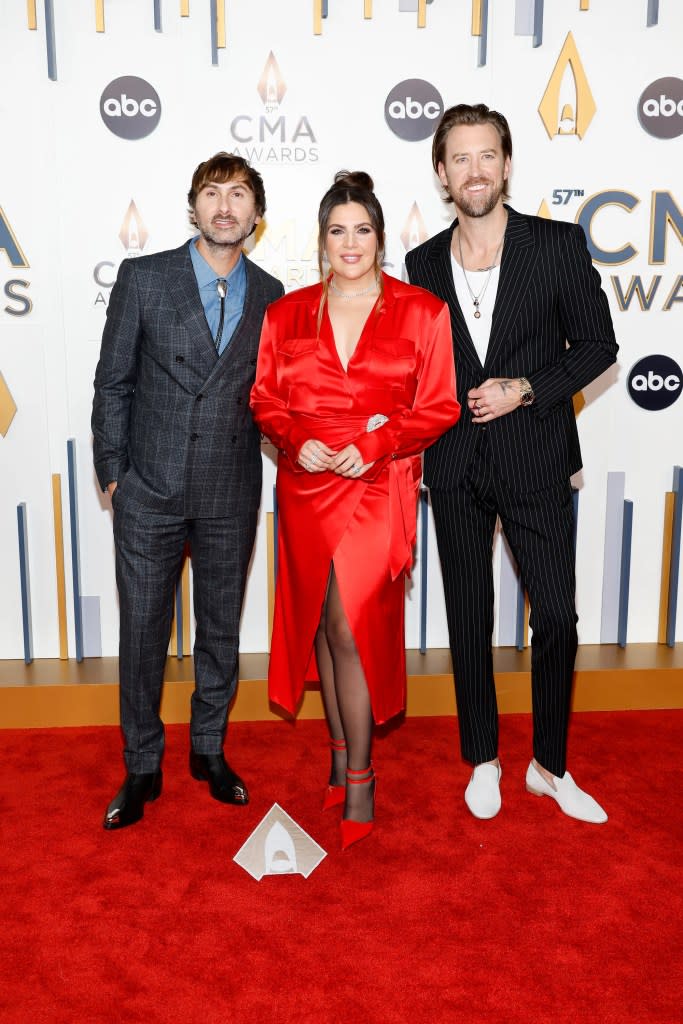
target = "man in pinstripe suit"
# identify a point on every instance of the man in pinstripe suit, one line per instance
(531, 327)
(177, 450)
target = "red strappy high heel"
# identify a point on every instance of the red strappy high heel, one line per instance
(354, 831)
(335, 795)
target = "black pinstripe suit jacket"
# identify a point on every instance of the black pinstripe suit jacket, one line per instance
(551, 324)
(171, 420)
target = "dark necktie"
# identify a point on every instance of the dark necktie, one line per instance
(222, 289)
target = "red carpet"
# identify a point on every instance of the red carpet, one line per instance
(530, 918)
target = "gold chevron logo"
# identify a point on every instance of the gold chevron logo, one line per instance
(414, 230)
(7, 407)
(271, 86)
(133, 233)
(567, 107)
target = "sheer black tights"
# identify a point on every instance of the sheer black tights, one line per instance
(346, 700)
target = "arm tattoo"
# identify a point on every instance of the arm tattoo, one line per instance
(504, 385)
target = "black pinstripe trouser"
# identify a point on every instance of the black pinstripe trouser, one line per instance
(539, 528)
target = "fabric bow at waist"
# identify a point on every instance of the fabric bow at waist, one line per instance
(337, 432)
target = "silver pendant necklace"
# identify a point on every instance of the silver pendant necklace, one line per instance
(352, 295)
(477, 299)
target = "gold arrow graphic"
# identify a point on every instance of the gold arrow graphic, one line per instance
(7, 407)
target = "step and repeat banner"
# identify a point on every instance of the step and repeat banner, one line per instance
(107, 107)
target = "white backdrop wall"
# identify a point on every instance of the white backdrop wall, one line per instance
(301, 106)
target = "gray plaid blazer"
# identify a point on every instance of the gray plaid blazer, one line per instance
(171, 419)
(551, 324)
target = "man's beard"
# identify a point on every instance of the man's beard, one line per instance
(481, 204)
(214, 240)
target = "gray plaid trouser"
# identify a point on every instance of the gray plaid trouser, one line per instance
(149, 553)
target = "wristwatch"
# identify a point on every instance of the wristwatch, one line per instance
(526, 392)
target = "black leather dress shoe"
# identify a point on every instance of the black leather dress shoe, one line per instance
(224, 784)
(128, 806)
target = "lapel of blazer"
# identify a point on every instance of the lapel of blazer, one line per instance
(248, 329)
(252, 314)
(187, 301)
(516, 269)
(440, 265)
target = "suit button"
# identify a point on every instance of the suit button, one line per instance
(199, 397)
(234, 438)
(180, 359)
(194, 437)
(239, 401)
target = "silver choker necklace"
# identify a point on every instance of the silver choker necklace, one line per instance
(477, 299)
(353, 295)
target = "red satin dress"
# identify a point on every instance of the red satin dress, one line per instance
(403, 369)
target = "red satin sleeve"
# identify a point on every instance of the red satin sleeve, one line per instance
(268, 407)
(435, 408)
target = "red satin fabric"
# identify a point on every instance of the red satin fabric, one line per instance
(403, 368)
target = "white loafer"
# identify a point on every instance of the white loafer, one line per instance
(482, 795)
(572, 800)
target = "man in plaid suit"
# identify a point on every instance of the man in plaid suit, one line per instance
(178, 453)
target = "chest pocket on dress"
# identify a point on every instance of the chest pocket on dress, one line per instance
(297, 359)
(393, 361)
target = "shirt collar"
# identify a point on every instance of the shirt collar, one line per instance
(206, 275)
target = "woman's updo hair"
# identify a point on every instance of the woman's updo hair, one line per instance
(351, 187)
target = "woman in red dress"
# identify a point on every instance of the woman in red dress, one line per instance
(355, 378)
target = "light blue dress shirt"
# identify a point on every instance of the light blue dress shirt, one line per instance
(234, 300)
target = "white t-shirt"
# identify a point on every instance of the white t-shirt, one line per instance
(479, 328)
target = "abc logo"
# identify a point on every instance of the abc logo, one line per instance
(660, 108)
(412, 109)
(130, 107)
(655, 382)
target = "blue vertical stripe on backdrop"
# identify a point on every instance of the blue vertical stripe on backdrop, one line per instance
(675, 557)
(508, 591)
(575, 502)
(274, 535)
(180, 653)
(529, 19)
(50, 41)
(75, 547)
(92, 627)
(538, 23)
(424, 542)
(625, 580)
(611, 565)
(521, 616)
(214, 32)
(524, 17)
(652, 13)
(483, 38)
(157, 16)
(25, 578)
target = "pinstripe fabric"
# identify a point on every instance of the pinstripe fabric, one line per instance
(549, 293)
(172, 425)
(551, 324)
